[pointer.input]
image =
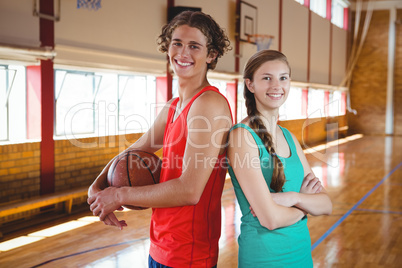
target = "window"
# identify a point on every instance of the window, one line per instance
(241, 103)
(106, 106)
(303, 103)
(315, 103)
(338, 11)
(103, 104)
(292, 108)
(220, 84)
(137, 95)
(175, 88)
(319, 7)
(336, 103)
(75, 94)
(12, 103)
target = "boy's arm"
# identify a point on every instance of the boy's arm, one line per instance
(151, 141)
(209, 121)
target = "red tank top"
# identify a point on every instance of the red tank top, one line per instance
(187, 236)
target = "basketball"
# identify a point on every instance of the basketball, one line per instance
(134, 168)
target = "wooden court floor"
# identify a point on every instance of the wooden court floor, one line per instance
(363, 177)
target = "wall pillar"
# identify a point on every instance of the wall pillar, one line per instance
(46, 28)
(389, 110)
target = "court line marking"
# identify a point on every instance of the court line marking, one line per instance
(353, 208)
(379, 211)
(89, 250)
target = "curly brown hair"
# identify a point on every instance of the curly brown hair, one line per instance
(217, 41)
(259, 58)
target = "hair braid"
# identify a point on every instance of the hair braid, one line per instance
(278, 175)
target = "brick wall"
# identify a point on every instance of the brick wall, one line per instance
(369, 81)
(77, 163)
(19, 171)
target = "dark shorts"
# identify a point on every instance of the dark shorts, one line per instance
(154, 264)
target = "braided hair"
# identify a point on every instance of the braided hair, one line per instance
(259, 58)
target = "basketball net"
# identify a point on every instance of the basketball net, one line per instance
(89, 4)
(263, 41)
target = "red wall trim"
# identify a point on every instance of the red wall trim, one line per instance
(163, 94)
(331, 32)
(169, 80)
(326, 103)
(309, 46)
(170, 3)
(304, 112)
(33, 78)
(46, 32)
(343, 103)
(280, 25)
(47, 184)
(346, 18)
(304, 102)
(329, 10)
(237, 39)
(231, 95)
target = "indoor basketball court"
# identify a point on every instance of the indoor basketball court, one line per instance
(81, 80)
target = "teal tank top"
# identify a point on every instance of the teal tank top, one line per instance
(283, 247)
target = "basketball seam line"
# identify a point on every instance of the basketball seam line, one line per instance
(128, 170)
(150, 171)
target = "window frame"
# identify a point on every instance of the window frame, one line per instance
(95, 91)
(8, 89)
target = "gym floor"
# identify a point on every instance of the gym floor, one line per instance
(363, 175)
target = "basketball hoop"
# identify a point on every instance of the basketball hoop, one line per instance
(89, 4)
(263, 41)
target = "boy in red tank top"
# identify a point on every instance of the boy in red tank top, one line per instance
(192, 129)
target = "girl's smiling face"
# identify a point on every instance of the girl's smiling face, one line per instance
(188, 52)
(270, 85)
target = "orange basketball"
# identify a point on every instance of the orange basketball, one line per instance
(134, 168)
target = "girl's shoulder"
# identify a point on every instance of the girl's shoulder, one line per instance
(242, 127)
(243, 131)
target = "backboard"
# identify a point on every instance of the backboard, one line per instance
(248, 21)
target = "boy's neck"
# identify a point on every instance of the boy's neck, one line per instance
(187, 89)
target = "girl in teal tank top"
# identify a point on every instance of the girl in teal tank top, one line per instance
(272, 179)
